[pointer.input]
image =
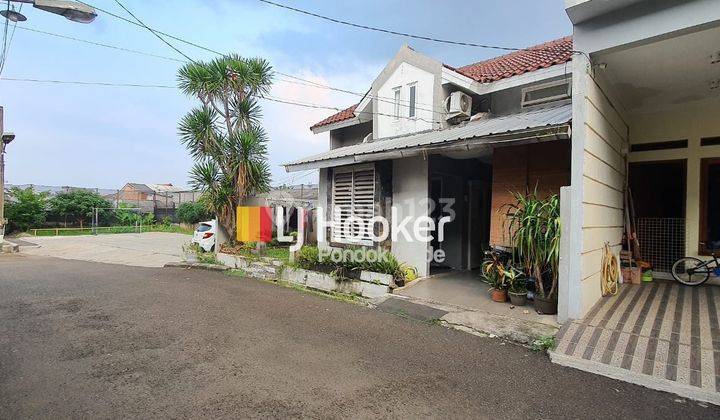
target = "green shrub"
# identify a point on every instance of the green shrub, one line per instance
(307, 257)
(166, 221)
(25, 208)
(193, 212)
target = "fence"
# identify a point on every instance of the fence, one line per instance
(662, 241)
(162, 204)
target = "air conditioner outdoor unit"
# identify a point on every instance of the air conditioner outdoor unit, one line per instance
(458, 104)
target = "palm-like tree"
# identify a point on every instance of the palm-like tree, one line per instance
(223, 135)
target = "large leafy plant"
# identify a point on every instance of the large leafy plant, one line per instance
(533, 224)
(224, 135)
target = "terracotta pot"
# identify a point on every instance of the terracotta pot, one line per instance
(518, 299)
(498, 295)
(546, 306)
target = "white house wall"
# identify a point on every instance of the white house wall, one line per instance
(410, 188)
(404, 75)
(691, 121)
(600, 141)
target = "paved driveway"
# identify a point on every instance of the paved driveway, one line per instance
(90, 340)
(151, 249)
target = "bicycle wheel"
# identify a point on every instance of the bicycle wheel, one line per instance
(684, 271)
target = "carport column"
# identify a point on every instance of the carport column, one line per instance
(571, 200)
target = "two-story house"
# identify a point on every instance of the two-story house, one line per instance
(426, 131)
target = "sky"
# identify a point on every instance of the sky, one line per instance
(104, 137)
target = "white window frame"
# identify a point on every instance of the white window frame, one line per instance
(337, 238)
(397, 98)
(549, 99)
(412, 102)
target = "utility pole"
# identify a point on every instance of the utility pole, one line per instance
(2, 178)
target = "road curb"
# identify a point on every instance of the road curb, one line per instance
(201, 266)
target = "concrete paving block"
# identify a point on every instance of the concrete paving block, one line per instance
(377, 278)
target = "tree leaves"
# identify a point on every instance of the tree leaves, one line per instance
(224, 136)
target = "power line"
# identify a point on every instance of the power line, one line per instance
(184, 41)
(99, 44)
(159, 86)
(5, 37)
(152, 31)
(77, 82)
(389, 31)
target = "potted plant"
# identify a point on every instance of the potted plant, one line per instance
(534, 228)
(517, 289)
(493, 271)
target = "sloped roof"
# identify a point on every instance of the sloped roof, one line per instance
(553, 116)
(343, 115)
(528, 60)
(140, 187)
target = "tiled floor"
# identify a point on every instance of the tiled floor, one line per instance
(465, 289)
(659, 334)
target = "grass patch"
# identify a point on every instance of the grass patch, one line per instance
(208, 258)
(543, 343)
(281, 253)
(236, 273)
(108, 230)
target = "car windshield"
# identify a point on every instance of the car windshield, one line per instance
(204, 227)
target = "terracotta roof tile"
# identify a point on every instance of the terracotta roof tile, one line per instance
(519, 62)
(343, 115)
(528, 60)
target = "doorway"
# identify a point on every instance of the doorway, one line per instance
(658, 191)
(460, 188)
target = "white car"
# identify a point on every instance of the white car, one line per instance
(204, 235)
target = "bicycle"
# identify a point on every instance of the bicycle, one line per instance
(693, 271)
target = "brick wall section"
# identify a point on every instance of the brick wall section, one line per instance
(521, 168)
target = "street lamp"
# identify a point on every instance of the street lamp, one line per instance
(5, 139)
(72, 10)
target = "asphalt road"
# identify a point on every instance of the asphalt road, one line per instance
(92, 340)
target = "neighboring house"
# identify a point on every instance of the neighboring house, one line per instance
(291, 198)
(160, 199)
(401, 146)
(636, 87)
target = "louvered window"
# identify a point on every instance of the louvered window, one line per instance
(353, 196)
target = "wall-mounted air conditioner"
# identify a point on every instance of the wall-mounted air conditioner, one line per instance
(458, 104)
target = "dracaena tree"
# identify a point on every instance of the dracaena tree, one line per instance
(223, 134)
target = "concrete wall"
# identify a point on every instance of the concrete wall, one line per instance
(404, 75)
(410, 187)
(691, 121)
(509, 101)
(323, 200)
(348, 136)
(600, 142)
(406, 67)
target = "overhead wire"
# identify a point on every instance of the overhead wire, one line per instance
(100, 44)
(138, 85)
(390, 31)
(202, 47)
(153, 31)
(5, 37)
